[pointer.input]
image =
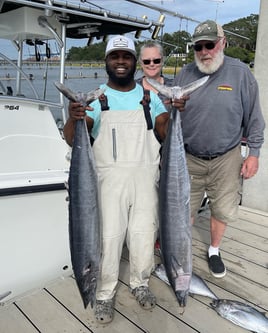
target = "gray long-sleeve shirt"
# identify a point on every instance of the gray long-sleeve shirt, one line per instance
(222, 111)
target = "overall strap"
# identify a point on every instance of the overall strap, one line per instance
(104, 102)
(145, 102)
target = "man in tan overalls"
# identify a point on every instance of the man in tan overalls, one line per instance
(126, 152)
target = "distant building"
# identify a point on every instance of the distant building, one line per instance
(181, 56)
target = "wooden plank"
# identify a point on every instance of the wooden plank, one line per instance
(196, 317)
(255, 253)
(48, 315)
(12, 321)
(234, 264)
(220, 292)
(59, 308)
(236, 284)
(67, 293)
(129, 316)
(254, 224)
(256, 216)
(155, 320)
(251, 228)
(245, 232)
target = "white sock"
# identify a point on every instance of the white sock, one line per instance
(213, 251)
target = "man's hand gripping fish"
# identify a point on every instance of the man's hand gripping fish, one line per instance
(84, 226)
(174, 199)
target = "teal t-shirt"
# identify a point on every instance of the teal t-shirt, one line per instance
(124, 101)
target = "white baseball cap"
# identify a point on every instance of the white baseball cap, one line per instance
(120, 43)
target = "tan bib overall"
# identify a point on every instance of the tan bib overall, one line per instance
(127, 159)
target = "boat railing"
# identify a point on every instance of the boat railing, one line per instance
(22, 73)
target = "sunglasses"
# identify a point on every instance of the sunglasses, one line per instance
(208, 46)
(148, 61)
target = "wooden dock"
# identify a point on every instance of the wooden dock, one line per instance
(58, 307)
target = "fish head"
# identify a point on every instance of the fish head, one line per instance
(182, 296)
(87, 284)
(180, 281)
(221, 306)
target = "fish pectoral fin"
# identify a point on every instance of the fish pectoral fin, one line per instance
(87, 269)
(176, 268)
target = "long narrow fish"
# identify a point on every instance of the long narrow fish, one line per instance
(197, 284)
(242, 315)
(174, 202)
(177, 91)
(84, 227)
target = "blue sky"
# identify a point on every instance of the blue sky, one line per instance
(224, 11)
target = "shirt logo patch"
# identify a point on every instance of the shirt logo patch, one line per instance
(225, 87)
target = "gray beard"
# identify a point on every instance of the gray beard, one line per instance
(213, 67)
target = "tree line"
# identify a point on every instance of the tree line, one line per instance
(176, 43)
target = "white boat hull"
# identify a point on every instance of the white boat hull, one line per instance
(34, 245)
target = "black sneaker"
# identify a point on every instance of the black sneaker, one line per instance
(216, 266)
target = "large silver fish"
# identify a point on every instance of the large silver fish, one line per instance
(197, 284)
(242, 315)
(174, 201)
(84, 227)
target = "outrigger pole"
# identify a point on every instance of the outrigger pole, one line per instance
(163, 10)
(176, 14)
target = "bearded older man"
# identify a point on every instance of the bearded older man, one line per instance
(215, 119)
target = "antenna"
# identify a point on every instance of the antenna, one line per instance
(217, 7)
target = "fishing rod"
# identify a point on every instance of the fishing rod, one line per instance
(163, 10)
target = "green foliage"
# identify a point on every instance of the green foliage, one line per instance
(87, 53)
(246, 27)
(176, 43)
(240, 53)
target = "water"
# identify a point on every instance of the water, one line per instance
(79, 78)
